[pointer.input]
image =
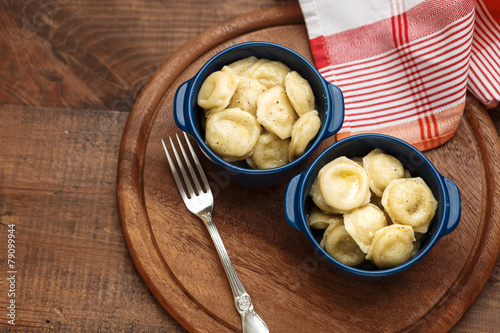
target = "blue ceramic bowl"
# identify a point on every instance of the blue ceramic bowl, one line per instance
(190, 117)
(298, 203)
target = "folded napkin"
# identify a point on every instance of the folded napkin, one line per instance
(404, 66)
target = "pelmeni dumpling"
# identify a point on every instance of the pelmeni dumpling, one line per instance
(319, 201)
(242, 65)
(303, 131)
(382, 168)
(269, 72)
(299, 92)
(275, 113)
(410, 201)
(344, 184)
(217, 90)
(391, 246)
(257, 86)
(339, 244)
(363, 222)
(232, 133)
(270, 151)
(319, 220)
(245, 95)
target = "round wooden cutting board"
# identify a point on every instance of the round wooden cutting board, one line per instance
(293, 290)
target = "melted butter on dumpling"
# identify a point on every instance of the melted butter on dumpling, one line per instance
(217, 90)
(392, 246)
(344, 184)
(382, 168)
(363, 222)
(232, 133)
(410, 201)
(304, 131)
(339, 244)
(275, 113)
(299, 92)
(270, 151)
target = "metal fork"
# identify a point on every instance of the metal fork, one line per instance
(200, 202)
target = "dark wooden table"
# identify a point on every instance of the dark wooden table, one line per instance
(70, 72)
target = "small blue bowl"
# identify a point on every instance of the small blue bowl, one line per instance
(298, 203)
(190, 117)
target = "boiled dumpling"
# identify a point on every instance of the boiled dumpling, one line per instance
(245, 95)
(344, 184)
(275, 112)
(270, 151)
(410, 201)
(319, 201)
(363, 222)
(232, 133)
(270, 73)
(217, 90)
(299, 92)
(391, 246)
(303, 131)
(339, 244)
(242, 65)
(319, 220)
(416, 246)
(382, 168)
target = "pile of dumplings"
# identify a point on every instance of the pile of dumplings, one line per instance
(371, 209)
(258, 111)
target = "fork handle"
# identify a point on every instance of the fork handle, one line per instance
(251, 322)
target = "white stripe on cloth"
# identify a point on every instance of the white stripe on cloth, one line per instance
(420, 77)
(348, 14)
(401, 62)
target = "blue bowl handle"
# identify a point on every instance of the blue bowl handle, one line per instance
(337, 118)
(454, 204)
(180, 107)
(290, 203)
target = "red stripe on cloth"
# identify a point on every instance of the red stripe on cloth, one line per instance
(493, 7)
(484, 78)
(416, 46)
(379, 123)
(401, 82)
(376, 38)
(435, 124)
(391, 64)
(482, 68)
(480, 44)
(320, 52)
(421, 126)
(457, 92)
(394, 28)
(388, 98)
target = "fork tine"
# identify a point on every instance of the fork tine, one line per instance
(188, 163)
(185, 177)
(171, 163)
(198, 165)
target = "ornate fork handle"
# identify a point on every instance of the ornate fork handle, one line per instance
(199, 200)
(251, 321)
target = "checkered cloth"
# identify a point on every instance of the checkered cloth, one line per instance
(404, 66)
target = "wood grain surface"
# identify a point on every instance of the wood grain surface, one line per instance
(70, 73)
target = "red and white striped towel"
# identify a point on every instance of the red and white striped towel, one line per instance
(404, 66)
